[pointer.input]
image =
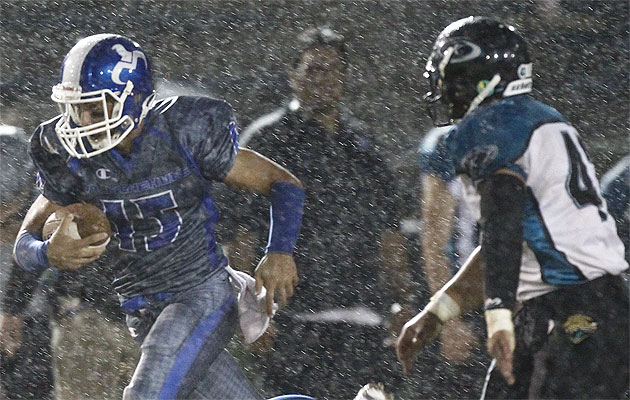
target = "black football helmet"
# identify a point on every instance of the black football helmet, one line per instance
(475, 59)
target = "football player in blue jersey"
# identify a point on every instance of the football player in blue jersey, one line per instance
(547, 271)
(150, 166)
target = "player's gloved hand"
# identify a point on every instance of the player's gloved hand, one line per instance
(68, 251)
(11, 328)
(415, 335)
(278, 274)
(501, 341)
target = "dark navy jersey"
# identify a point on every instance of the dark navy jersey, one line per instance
(350, 201)
(157, 198)
(568, 235)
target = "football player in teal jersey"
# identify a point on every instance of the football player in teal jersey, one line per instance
(547, 272)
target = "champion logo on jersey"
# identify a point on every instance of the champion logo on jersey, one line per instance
(103, 173)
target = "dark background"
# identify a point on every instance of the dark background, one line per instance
(238, 50)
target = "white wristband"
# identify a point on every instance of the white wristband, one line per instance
(443, 306)
(500, 319)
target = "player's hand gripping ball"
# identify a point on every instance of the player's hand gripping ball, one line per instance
(88, 220)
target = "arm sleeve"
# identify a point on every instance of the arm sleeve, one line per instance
(502, 202)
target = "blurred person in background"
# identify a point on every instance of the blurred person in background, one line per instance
(330, 341)
(26, 363)
(449, 234)
(547, 271)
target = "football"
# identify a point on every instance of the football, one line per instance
(88, 220)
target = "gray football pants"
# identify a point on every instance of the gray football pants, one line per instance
(183, 340)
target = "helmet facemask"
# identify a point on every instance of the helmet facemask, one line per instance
(100, 136)
(437, 109)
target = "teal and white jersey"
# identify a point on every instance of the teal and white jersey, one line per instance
(568, 237)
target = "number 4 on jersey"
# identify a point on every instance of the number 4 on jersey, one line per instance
(580, 184)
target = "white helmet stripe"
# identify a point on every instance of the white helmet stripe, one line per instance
(75, 58)
(448, 53)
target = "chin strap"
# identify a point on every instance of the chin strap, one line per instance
(484, 93)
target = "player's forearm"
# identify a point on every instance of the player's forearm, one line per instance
(30, 251)
(466, 287)
(256, 173)
(464, 292)
(37, 214)
(502, 202)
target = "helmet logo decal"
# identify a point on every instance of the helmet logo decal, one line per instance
(525, 71)
(464, 51)
(479, 158)
(524, 82)
(129, 60)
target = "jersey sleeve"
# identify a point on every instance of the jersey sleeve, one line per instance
(496, 137)
(55, 180)
(211, 136)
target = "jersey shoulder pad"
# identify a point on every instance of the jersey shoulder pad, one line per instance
(192, 118)
(495, 136)
(45, 138)
(204, 128)
(55, 179)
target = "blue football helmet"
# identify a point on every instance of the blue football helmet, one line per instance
(475, 60)
(108, 71)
